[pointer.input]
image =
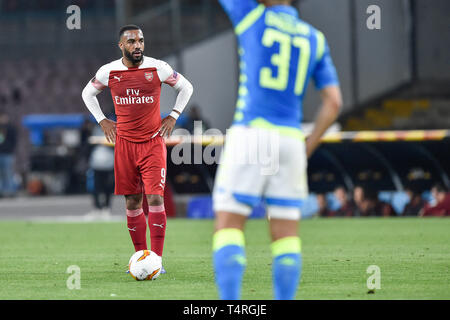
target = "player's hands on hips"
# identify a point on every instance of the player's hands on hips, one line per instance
(167, 125)
(109, 129)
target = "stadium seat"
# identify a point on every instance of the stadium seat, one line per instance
(310, 206)
(333, 203)
(427, 196)
(259, 211)
(200, 207)
(397, 199)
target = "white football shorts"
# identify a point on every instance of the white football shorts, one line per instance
(259, 164)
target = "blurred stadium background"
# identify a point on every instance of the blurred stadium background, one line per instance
(393, 133)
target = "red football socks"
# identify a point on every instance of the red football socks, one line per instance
(137, 226)
(157, 223)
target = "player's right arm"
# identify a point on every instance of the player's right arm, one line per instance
(326, 81)
(89, 95)
(237, 10)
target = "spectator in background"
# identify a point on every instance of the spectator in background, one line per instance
(358, 198)
(194, 114)
(371, 206)
(358, 194)
(3, 99)
(8, 141)
(101, 178)
(16, 96)
(86, 131)
(441, 207)
(347, 206)
(416, 203)
(324, 211)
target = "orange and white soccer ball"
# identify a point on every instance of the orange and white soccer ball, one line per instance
(145, 265)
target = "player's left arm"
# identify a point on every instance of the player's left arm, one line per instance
(326, 81)
(184, 89)
(237, 10)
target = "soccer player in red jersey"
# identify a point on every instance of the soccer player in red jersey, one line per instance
(140, 152)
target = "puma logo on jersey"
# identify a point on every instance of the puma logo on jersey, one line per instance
(132, 229)
(159, 225)
(118, 78)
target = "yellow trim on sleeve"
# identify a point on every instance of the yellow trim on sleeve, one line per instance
(320, 45)
(249, 19)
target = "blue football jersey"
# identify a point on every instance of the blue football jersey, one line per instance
(278, 53)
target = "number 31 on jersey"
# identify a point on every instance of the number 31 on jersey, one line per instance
(282, 61)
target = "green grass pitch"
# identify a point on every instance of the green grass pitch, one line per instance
(413, 256)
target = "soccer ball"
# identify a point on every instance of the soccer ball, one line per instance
(145, 265)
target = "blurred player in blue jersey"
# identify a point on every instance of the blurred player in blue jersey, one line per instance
(279, 53)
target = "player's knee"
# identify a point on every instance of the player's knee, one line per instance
(225, 220)
(155, 200)
(133, 201)
(281, 228)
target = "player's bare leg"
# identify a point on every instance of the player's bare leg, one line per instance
(157, 221)
(155, 199)
(133, 201)
(287, 259)
(280, 228)
(137, 225)
(229, 254)
(229, 220)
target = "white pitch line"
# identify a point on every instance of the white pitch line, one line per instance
(54, 201)
(71, 219)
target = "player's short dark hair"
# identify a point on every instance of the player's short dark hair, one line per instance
(126, 28)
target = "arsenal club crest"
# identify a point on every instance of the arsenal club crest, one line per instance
(148, 76)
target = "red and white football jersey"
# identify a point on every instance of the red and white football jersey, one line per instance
(136, 93)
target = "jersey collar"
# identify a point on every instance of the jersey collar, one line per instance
(138, 67)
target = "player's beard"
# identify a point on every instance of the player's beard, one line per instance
(129, 56)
